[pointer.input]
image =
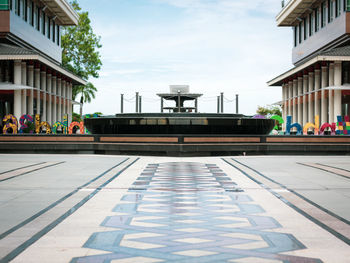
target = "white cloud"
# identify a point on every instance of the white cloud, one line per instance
(228, 46)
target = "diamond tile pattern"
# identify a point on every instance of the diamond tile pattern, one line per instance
(190, 212)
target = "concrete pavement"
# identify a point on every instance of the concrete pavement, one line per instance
(91, 208)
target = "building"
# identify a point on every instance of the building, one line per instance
(319, 82)
(32, 80)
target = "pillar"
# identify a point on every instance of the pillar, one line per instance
(330, 94)
(337, 92)
(295, 93)
(305, 90)
(43, 90)
(64, 97)
(317, 88)
(299, 100)
(37, 86)
(69, 102)
(324, 106)
(24, 91)
(31, 92)
(49, 103)
(290, 97)
(17, 97)
(54, 97)
(59, 94)
(311, 95)
(284, 107)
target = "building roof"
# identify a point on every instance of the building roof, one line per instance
(11, 52)
(184, 96)
(336, 54)
(293, 10)
(6, 49)
(63, 10)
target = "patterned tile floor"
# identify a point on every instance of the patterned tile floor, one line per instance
(190, 212)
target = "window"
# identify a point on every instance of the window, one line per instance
(311, 22)
(299, 31)
(330, 11)
(38, 15)
(17, 7)
(295, 35)
(53, 31)
(43, 22)
(30, 13)
(58, 35)
(317, 19)
(337, 8)
(25, 13)
(305, 28)
(323, 14)
(4, 4)
(48, 27)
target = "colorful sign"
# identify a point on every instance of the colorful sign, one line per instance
(11, 125)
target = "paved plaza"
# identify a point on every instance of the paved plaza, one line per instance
(95, 208)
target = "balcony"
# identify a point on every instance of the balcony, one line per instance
(292, 9)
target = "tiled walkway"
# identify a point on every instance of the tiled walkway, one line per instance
(187, 210)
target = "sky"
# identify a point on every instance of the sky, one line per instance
(230, 46)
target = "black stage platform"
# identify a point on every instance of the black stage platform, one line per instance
(179, 123)
(176, 145)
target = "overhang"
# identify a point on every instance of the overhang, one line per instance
(11, 86)
(63, 10)
(278, 81)
(292, 10)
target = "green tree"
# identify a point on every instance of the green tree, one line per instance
(269, 110)
(80, 53)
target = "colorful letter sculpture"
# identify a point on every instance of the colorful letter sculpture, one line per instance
(41, 124)
(23, 124)
(76, 124)
(63, 125)
(343, 126)
(294, 125)
(278, 119)
(312, 125)
(327, 125)
(10, 122)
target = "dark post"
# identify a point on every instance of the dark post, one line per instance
(179, 101)
(196, 105)
(222, 102)
(121, 103)
(218, 104)
(140, 104)
(237, 104)
(137, 102)
(161, 105)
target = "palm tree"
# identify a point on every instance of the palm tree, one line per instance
(87, 93)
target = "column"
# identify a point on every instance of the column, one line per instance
(43, 90)
(290, 96)
(324, 84)
(300, 91)
(284, 108)
(69, 102)
(49, 103)
(295, 92)
(31, 92)
(64, 108)
(337, 92)
(54, 97)
(59, 94)
(317, 88)
(17, 97)
(24, 91)
(37, 86)
(330, 94)
(311, 102)
(305, 89)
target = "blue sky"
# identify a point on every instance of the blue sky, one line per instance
(230, 46)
